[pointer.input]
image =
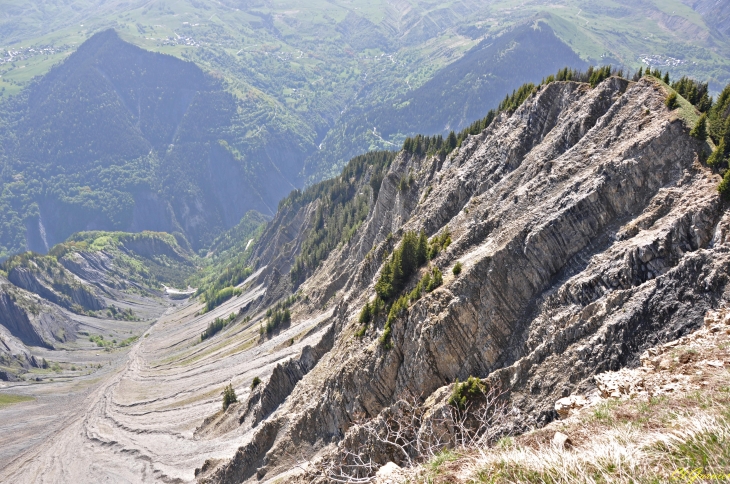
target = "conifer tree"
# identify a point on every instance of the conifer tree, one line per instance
(229, 396)
(724, 187)
(717, 115)
(422, 249)
(398, 278)
(705, 103)
(451, 141)
(384, 286)
(366, 313)
(666, 78)
(700, 129)
(672, 102)
(717, 156)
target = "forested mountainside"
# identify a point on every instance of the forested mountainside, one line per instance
(317, 73)
(118, 138)
(451, 99)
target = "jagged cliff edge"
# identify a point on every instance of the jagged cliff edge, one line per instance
(588, 230)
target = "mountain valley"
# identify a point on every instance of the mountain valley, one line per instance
(586, 226)
(316, 86)
(385, 242)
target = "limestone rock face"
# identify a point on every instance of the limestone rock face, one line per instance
(588, 231)
(59, 287)
(31, 320)
(266, 397)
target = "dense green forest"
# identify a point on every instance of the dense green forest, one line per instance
(227, 263)
(117, 138)
(343, 204)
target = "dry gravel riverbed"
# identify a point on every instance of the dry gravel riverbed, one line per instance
(133, 419)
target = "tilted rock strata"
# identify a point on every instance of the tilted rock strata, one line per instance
(265, 398)
(65, 291)
(587, 230)
(31, 319)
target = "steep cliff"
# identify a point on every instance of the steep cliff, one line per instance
(54, 283)
(32, 320)
(92, 274)
(314, 223)
(586, 229)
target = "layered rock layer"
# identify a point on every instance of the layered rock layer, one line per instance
(587, 229)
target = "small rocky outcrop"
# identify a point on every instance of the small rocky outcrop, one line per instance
(267, 397)
(32, 320)
(94, 267)
(56, 285)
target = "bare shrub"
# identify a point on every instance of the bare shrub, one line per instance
(409, 434)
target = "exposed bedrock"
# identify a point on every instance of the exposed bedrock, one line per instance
(588, 230)
(65, 290)
(31, 320)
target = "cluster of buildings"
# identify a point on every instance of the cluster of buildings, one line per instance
(8, 56)
(658, 60)
(188, 41)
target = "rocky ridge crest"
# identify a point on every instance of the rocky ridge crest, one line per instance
(588, 231)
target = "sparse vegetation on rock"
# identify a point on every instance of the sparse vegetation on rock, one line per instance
(229, 396)
(671, 101)
(255, 382)
(463, 392)
(216, 326)
(219, 297)
(700, 129)
(457, 269)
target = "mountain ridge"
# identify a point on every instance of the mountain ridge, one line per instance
(552, 240)
(607, 189)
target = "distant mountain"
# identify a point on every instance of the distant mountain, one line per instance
(716, 13)
(119, 138)
(455, 96)
(468, 88)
